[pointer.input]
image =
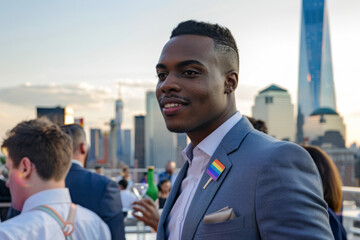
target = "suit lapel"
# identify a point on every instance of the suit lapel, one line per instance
(203, 197)
(170, 201)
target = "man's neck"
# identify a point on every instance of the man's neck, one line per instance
(200, 134)
(77, 162)
(47, 185)
(40, 185)
(80, 158)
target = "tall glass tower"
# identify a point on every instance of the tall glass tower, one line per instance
(118, 122)
(316, 85)
(159, 141)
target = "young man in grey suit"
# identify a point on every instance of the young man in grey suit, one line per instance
(236, 183)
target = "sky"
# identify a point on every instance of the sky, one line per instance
(76, 53)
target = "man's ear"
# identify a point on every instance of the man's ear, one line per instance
(83, 148)
(25, 167)
(231, 82)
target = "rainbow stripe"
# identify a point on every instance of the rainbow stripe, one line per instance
(215, 169)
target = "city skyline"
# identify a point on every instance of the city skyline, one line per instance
(73, 54)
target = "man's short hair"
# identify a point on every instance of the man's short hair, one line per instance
(43, 142)
(123, 183)
(77, 134)
(223, 39)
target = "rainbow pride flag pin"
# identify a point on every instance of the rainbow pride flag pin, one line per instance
(214, 171)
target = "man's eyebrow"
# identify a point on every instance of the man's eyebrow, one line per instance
(189, 62)
(160, 65)
(181, 64)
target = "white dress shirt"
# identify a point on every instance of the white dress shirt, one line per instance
(39, 225)
(198, 158)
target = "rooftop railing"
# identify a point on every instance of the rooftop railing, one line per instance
(351, 212)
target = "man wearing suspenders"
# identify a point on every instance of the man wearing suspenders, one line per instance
(38, 157)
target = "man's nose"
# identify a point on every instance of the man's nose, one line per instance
(170, 84)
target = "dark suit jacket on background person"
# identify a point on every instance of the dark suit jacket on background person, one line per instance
(4, 198)
(100, 195)
(273, 187)
(336, 226)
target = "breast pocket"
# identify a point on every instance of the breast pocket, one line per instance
(224, 230)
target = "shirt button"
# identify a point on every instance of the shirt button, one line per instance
(180, 218)
(195, 179)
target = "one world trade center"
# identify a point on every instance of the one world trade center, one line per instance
(316, 84)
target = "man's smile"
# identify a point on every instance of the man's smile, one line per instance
(172, 104)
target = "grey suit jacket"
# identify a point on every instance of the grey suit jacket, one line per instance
(273, 187)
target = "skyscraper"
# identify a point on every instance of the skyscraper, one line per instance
(316, 85)
(159, 141)
(118, 122)
(96, 150)
(325, 128)
(273, 106)
(140, 141)
(58, 115)
(112, 145)
(126, 156)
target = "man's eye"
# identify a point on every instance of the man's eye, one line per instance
(162, 76)
(190, 73)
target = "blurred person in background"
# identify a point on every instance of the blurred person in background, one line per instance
(99, 169)
(91, 190)
(258, 124)
(127, 197)
(164, 190)
(38, 159)
(5, 196)
(125, 174)
(144, 179)
(332, 184)
(169, 173)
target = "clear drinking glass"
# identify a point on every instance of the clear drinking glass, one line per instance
(139, 189)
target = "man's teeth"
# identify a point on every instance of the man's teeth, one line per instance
(171, 105)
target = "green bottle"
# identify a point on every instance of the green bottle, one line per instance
(152, 191)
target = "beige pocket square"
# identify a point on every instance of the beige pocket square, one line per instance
(221, 215)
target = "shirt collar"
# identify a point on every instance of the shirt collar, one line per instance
(47, 197)
(209, 144)
(77, 162)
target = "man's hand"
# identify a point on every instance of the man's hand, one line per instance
(150, 215)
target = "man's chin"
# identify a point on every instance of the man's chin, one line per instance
(175, 129)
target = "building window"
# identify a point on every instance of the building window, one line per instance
(268, 100)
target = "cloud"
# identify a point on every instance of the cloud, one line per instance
(138, 83)
(75, 95)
